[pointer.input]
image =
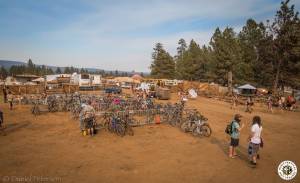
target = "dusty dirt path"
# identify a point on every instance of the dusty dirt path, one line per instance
(51, 146)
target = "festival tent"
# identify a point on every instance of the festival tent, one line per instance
(137, 77)
(247, 89)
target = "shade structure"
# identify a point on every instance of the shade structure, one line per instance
(247, 87)
(137, 77)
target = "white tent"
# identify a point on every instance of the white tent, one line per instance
(247, 87)
(193, 93)
(39, 80)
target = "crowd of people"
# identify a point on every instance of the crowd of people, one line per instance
(283, 103)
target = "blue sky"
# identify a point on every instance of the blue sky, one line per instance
(115, 34)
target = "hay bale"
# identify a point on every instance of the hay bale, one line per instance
(34, 89)
(190, 85)
(14, 89)
(203, 86)
(213, 89)
(223, 90)
(70, 88)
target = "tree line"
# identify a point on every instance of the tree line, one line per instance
(263, 54)
(31, 68)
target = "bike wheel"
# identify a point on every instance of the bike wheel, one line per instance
(36, 110)
(172, 122)
(195, 131)
(184, 127)
(120, 130)
(110, 127)
(206, 130)
(129, 131)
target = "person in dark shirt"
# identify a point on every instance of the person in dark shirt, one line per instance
(1, 119)
(5, 95)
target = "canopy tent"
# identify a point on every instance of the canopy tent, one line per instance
(247, 89)
(137, 77)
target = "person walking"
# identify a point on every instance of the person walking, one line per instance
(280, 104)
(1, 119)
(234, 101)
(270, 104)
(5, 95)
(10, 100)
(236, 127)
(255, 140)
(249, 104)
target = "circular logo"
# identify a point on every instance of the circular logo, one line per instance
(287, 170)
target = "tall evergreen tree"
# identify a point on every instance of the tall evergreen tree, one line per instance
(58, 71)
(227, 54)
(163, 65)
(285, 31)
(250, 38)
(3, 72)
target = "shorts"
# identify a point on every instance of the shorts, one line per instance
(89, 123)
(253, 149)
(234, 142)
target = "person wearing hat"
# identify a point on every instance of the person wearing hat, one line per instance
(236, 127)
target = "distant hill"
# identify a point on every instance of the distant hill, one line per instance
(8, 63)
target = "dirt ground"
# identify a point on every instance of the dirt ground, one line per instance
(49, 148)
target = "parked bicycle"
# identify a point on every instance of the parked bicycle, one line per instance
(196, 124)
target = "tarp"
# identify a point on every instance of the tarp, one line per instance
(137, 77)
(193, 93)
(29, 83)
(39, 80)
(52, 77)
(247, 86)
(144, 86)
(55, 76)
(126, 79)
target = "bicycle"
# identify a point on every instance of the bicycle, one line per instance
(196, 124)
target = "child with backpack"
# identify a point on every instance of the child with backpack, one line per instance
(233, 129)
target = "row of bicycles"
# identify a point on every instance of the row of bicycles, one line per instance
(187, 120)
(118, 114)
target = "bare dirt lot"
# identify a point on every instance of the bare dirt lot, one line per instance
(50, 148)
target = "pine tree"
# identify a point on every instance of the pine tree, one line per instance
(58, 71)
(3, 72)
(285, 31)
(163, 65)
(250, 38)
(227, 54)
(67, 70)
